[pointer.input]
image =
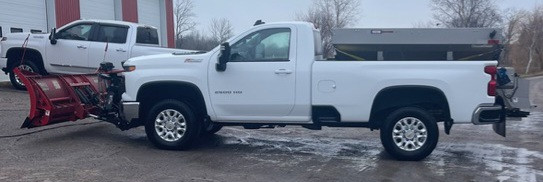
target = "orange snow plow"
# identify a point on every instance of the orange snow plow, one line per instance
(62, 98)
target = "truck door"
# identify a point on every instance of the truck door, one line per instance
(259, 81)
(115, 38)
(70, 53)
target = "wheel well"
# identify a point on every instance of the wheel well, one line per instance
(150, 93)
(14, 56)
(428, 98)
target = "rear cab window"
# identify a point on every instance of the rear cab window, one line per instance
(147, 35)
(318, 43)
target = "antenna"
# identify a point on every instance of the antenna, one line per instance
(105, 50)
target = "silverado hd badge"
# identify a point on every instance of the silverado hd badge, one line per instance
(228, 92)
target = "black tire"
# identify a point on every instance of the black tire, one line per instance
(210, 129)
(17, 84)
(192, 127)
(412, 150)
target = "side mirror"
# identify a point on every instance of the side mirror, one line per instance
(53, 37)
(224, 57)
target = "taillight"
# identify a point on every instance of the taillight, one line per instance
(491, 88)
(492, 84)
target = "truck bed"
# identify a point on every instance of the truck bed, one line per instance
(351, 86)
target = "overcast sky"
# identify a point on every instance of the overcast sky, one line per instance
(374, 13)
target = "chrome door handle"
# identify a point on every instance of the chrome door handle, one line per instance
(283, 71)
(81, 47)
(120, 50)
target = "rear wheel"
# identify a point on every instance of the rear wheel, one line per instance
(409, 134)
(171, 125)
(27, 66)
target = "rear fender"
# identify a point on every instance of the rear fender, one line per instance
(391, 98)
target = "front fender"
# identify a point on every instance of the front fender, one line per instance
(137, 80)
(15, 55)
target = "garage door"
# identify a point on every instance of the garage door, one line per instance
(149, 12)
(23, 15)
(97, 9)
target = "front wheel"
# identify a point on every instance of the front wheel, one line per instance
(409, 134)
(27, 66)
(171, 125)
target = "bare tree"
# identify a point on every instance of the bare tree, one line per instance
(221, 29)
(196, 40)
(183, 17)
(425, 24)
(330, 14)
(512, 27)
(524, 40)
(466, 13)
(531, 37)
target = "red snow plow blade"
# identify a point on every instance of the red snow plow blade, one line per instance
(62, 98)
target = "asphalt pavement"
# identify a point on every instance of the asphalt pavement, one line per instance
(3, 77)
(89, 150)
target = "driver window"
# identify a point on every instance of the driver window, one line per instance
(77, 32)
(264, 45)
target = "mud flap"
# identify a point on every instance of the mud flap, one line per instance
(500, 128)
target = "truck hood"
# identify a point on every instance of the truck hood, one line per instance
(35, 41)
(167, 60)
(23, 35)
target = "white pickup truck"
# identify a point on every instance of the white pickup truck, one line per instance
(78, 47)
(274, 75)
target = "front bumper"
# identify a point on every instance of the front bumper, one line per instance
(491, 114)
(131, 111)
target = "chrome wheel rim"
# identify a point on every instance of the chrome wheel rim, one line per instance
(409, 134)
(170, 125)
(22, 67)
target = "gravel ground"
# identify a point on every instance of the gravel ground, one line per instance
(92, 151)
